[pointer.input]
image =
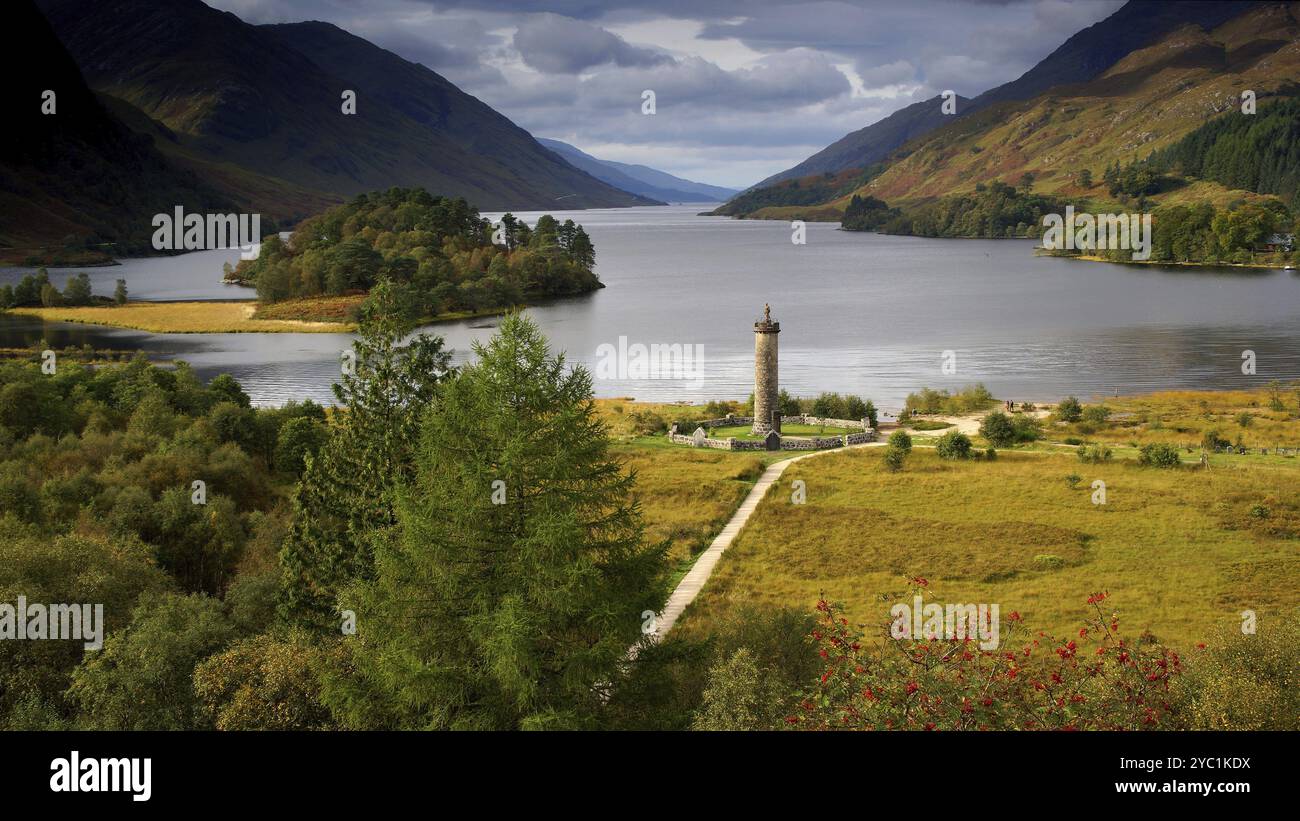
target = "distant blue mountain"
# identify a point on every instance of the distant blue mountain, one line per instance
(640, 179)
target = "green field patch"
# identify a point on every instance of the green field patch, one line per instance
(792, 429)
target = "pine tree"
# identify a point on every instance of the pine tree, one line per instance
(581, 250)
(505, 605)
(345, 495)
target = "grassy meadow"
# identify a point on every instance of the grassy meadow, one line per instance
(1183, 418)
(688, 497)
(185, 318)
(686, 494)
(1181, 552)
(318, 314)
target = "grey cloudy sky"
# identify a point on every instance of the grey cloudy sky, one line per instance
(743, 89)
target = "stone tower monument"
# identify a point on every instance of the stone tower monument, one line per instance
(767, 407)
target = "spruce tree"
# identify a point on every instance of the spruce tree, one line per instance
(345, 495)
(518, 574)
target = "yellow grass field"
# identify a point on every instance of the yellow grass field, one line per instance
(1182, 552)
(1183, 417)
(687, 496)
(184, 318)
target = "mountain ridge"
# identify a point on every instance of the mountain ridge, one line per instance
(1083, 56)
(1145, 100)
(639, 179)
(75, 182)
(219, 84)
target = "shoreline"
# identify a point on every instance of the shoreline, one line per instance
(1260, 266)
(1039, 251)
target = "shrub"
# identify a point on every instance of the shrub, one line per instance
(1097, 414)
(894, 458)
(1092, 680)
(299, 438)
(968, 399)
(1026, 428)
(738, 696)
(990, 454)
(646, 423)
(866, 411)
(972, 398)
(997, 428)
(1002, 430)
(1069, 410)
(828, 405)
(1159, 455)
(665, 689)
(1275, 396)
(953, 445)
(1246, 682)
(834, 406)
(1212, 441)
(1073, 480)
(900, 439)
(1094, 454)
(927, 400)
(1048, 561)
(1244, 419)
(262, 683)
(789, 405)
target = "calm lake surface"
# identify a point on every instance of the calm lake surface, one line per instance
(859, 313)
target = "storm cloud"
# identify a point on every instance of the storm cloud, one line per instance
(555, 44)
(744, 88)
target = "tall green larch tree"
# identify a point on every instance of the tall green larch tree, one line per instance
(518, 573)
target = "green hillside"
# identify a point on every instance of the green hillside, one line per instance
(1083, 57)
(268, 100)
(76, 185)
(1162, 128)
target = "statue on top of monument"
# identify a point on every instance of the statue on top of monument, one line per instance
(767, 312)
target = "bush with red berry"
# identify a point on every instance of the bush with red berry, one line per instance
(1093, 680)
